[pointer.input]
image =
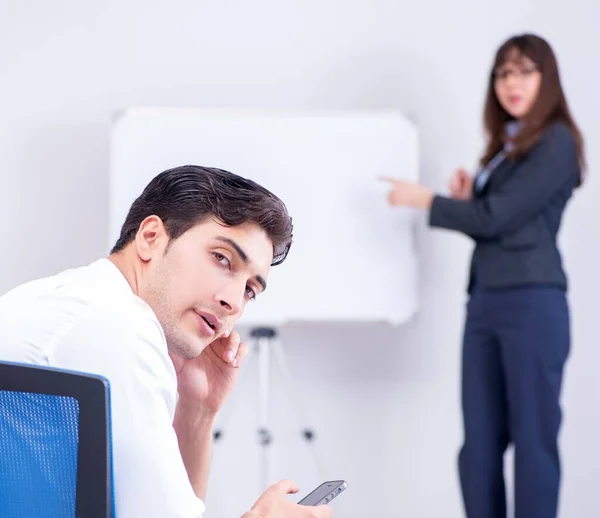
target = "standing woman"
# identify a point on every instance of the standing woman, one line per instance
(516, 336)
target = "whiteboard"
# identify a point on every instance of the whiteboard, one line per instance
(353, 257)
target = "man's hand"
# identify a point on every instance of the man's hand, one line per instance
(408, 194)
(210, 378)
(461, 185)
(274, 504)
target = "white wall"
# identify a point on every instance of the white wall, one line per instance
(385, 403)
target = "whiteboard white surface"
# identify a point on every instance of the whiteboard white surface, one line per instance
(353, 257)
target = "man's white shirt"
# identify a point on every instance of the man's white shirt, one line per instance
(88, 319)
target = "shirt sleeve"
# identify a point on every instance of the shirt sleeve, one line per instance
(130, 351)
(548, 168)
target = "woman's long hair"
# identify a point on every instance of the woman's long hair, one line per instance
(549, 107)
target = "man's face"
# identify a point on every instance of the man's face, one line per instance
(199, 284)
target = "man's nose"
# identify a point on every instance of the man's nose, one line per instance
(232, 300)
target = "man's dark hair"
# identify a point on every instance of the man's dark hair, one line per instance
(185, 196)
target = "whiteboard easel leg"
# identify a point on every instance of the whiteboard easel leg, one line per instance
(263, 337)
(265, 344)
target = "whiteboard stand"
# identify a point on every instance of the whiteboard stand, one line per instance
(265, 345)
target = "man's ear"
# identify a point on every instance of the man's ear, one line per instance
(151, 238)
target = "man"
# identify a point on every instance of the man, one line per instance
(156, 319)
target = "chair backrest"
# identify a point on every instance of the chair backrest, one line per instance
(55, 444)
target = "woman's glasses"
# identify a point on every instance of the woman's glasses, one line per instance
(520, 73)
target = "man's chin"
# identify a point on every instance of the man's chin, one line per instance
(188, 351)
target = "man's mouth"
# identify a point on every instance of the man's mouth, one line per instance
(213, 322)
(208, 322)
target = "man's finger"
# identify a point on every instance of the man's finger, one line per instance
(286, 486)
(388, 179)
(228, 347)
(322, 511)
(241, 354)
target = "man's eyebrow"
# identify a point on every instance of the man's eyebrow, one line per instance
(243, 256)
(240, 251)
(262, 282)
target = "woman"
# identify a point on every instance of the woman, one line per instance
(516, 337)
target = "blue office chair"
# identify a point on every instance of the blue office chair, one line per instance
(55, 444)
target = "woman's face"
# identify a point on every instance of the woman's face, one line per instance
(517, 83)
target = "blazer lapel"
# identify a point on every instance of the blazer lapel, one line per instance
(497, 177)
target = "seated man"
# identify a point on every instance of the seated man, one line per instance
(156, 318)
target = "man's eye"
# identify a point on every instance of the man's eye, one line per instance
(250, 293)
(221, 259)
